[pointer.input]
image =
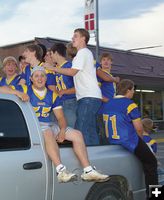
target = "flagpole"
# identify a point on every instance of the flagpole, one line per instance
(97, 31)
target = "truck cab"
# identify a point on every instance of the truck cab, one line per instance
(27, 173)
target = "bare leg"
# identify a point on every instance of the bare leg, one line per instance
(52, 147)
(79, 147)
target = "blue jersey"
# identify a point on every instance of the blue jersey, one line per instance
(13, 81)
(108, 89)
(27, 74)
(96, 64)
(65, 82)
(151, 142)
(41, 105)
(119, 114)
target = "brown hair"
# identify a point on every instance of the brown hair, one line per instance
(147, 124)
(37, 49)
(84, 33)
(124, 85)
(105, 55)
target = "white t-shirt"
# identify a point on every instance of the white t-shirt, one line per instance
(85, 80)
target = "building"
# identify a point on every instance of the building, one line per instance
(145, 70)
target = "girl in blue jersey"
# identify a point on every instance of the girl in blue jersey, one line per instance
(123, 126)
(11, 72)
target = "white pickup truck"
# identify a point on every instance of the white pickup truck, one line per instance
(26, 173)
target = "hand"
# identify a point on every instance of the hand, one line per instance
(117, 79)
(49, 67)
(61, 136)
(61, 92)
(24, 97)
(22, 82)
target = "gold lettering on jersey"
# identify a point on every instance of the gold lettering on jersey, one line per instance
(114, 127)
(60, 83)
(45, 111)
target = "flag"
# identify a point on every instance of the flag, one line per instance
(90, 16)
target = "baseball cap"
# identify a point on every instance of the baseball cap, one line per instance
(38, 68)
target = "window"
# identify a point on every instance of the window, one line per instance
(150, 104)
(13, 129)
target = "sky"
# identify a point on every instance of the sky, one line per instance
(123, 24)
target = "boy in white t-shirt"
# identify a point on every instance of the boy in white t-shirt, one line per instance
(88, 93)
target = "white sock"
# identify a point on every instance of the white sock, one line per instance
(60, 168)
(88, 168)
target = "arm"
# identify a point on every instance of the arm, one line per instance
(8, 90)
(105, 99)
(66, 91)
(65, 71)
(61, 122)
(105, 77)
(138, 126)
(53, 88)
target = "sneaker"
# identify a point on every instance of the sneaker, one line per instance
(66, 176)
(94, 175)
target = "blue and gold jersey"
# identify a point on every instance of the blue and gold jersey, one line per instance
(65, 82)
(13, 81)
(108, 89)
(26, 74)
(41, 105)
(151, 142)
(119, 114)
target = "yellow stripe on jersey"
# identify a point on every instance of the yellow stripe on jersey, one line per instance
(12, 87)
(49, 71)
(131, 107)
(99, 84)
(138, 119)
(11, 79)
(24, 87)
(37, 95)
(0, 78)
(60, 66)
(152, 142)
(55, 95)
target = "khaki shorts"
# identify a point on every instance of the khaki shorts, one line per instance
(53, 126)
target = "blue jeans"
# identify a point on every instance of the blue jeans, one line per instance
(86, 114)
(69, 108)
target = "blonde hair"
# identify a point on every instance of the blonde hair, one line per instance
(10, 58)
